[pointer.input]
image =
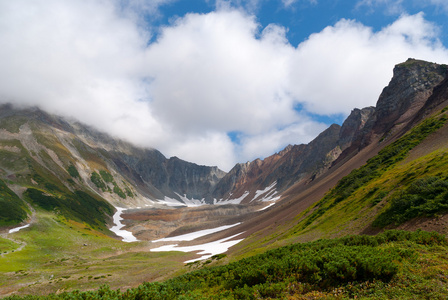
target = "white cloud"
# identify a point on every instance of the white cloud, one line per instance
(211, 73)
(210, 148)
(205, 76)
(347, 65)
(269, 142)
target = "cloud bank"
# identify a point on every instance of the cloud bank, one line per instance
(213, 88)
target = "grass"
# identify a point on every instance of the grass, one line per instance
(375, 167)
(78, 206)
(63, 254)
(365, 194)
(395, 264)
(13, 209)
(7, 245)
(358, 197)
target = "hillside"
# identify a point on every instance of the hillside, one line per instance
(384, 168)
(395, 264)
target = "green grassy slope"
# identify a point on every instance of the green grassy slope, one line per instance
(395, 264)
(387, 190)
(13, 209)
(34, 159)
(61, 254)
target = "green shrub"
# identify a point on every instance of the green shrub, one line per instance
(97, 181)
(73, 171)
(119, 191)
(107, 177)
(424, 197)
(12, 208)
(376, 166)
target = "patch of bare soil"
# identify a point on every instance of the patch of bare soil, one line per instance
(438, 224)
(436, 141)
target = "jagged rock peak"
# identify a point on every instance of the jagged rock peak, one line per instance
(354, 123)
(411, 84)
(286, 150)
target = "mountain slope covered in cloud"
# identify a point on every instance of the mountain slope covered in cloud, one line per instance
(383, 168)
(214, 88)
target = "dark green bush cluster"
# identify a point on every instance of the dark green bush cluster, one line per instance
(119, 191)
(320, 265)
(79, 206)
(376, 166)
(12, 208)
(107, 177)
(101, 180)
(73, 171)
(97, 181)
(424, 197)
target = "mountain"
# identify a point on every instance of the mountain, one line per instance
(409, 89)
(62, 157)
(383, 168)
(43, 150)
(393, 149)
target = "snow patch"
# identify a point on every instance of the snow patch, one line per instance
(191, 202)
(171, 202)
(267, 189)
(18, 228)
(186, 202)
(266, 207)
(127, 236)
(269, 194)
(194, 235)
(231, 201)
(207, 250)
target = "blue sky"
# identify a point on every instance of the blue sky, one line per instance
(304, 17)
(212, 82)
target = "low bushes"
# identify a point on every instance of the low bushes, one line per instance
(318, 267)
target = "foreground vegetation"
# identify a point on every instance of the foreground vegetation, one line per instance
(61, 254)
(377, 167)
(395, 264)
(13, 209)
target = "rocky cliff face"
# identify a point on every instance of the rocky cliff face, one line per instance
(139, 175)
(408, 91)
(146, 174)
(295, 163)
(411, 86)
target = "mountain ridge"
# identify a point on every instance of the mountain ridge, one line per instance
(152, 176)
(351, 179)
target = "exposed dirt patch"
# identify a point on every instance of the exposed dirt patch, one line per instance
(438, 224)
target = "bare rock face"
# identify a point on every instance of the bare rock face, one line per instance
(192, 180)
(148, 173)
(290, 165)
(411, 86)
(406, 95)
(157, 177)
(407, 92)
(353, 125)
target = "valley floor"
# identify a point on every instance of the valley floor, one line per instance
(54, 254)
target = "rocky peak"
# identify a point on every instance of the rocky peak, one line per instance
(409, 88)
(286, 150)
(412, 84)
(354, 123)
